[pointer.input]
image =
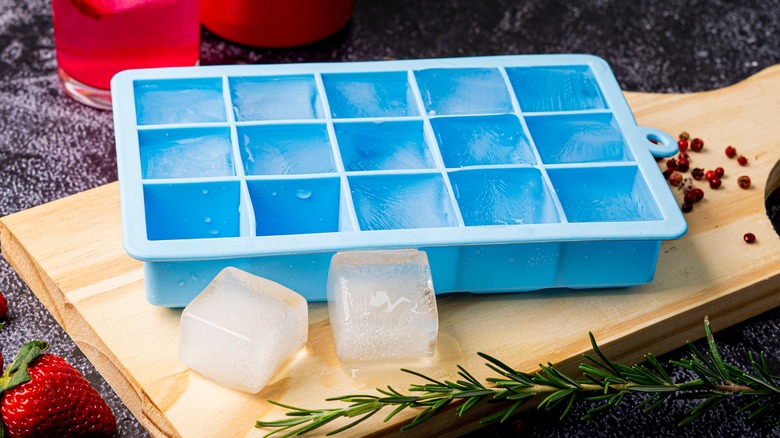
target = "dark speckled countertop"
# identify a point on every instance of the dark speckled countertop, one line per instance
(52, 147)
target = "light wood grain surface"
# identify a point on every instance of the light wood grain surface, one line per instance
(70, 254)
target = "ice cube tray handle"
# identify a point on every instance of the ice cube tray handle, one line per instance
(658, 142)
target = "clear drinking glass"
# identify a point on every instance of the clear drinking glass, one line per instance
(95, 39)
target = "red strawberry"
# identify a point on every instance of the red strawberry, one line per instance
(46, 397)
(3, 307)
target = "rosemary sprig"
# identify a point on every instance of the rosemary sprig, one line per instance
(604, 383)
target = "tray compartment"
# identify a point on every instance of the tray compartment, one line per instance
(504, 196)
(391, 202)
(385, 145)
(609, 194)
(449, 91)
(578, 138)
(275, 98)
(482, 140)
(193, 210)
(186, 153)
(561, 88)
(169, 101)
(295, 206)
(285, 149)
(372, 94)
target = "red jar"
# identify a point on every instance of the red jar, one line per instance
(275, 23)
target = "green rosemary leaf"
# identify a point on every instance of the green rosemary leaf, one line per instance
(474, 393)
(595, 411)
(563, 377)
(699, 410)
(422, 376)
(344, 398)
(652, 360)
(693, 395)
(510, 411)
(456, 385)
(427, 413)
(653, 402)
(468, 404)
(597, 398)
(758, 411)
(293, 408)
(520, 397)
(640, 374)
(590, 369)
(761, 369)
(753, 380)
(319, 422)
(279, 423)
(617, 398)
(607, 362)
(356, 422)
(567, 409)
(466, 375)
(492, 417)
(555, 399)
(714, 351)
(651, 388)
(497, 363)
(749, 406)
(395, 411)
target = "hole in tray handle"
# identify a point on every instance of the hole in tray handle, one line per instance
(658, 142)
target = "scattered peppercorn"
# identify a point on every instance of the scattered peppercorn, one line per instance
(698, 194)
(667, 173)
(743, 182)
(742, 160)
(671, 163)
(675, 179)
(686, 185)
(682, 144)
(749, 238)
(683, 165)
(719, 172)
(685, 136)
(686, 207)
(708, 175)
(714, 182)
(697, 145)
(697, 173)
(731, 152)
(689, 197)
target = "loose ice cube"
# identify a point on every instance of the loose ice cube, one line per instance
(382, 305)
(242, 329)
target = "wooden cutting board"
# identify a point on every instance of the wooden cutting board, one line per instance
(70, 254)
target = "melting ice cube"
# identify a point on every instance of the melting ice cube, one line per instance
(293, 97)
(382, 305)
(203, 156)
(242, 329)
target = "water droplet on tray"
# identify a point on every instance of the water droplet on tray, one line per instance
(304, 194)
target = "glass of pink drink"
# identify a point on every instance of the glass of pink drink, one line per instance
(95, 39)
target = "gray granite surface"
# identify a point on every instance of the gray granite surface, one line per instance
(52, 147)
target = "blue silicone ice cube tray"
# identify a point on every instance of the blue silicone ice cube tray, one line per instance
(513, 173)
